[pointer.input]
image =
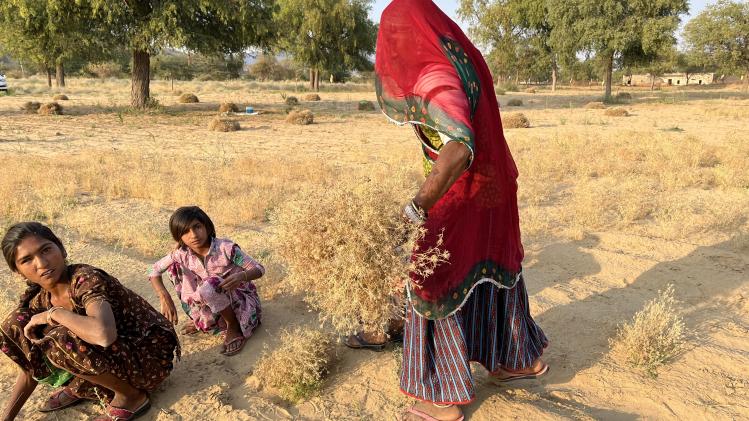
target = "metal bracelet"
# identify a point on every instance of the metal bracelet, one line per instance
(414, 214)
(49, 314)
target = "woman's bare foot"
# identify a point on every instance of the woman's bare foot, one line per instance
(417, 412)
(129, 402)
(188, 328)
(537, 369)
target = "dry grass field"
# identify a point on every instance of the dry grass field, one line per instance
(613, 210)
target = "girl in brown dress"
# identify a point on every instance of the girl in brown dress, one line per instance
(78, 327)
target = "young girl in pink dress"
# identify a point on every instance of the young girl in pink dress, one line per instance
(213, 279)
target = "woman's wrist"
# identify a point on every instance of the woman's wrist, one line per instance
(50, 312)
(415, 213)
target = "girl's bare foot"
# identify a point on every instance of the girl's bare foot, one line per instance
(537, 369)
(421, 409)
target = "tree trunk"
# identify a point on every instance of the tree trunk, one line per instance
(49, 77)
(609, 69)
(553, 77)
(652, 82)
(746, 81)
(60, 75)
(317, 80)
(311, 79)
(23, 73)
(140, 79)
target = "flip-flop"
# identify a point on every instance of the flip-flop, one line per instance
(512, 377)
(113, 413)
(363, 344)
(426, 417)
(235, 340)
(55, 401)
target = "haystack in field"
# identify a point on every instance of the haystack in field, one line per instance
(365, 106)
(291, 100)
(228, 107)
(596, 105)
(50, 108)
(515, 121)
(624, 96)
(616, 112)
(219, 124)
(60, 97)
(30, 107)
(188, 99)
(515, 102)
(530, 91)
(302, 117)
(312, 97)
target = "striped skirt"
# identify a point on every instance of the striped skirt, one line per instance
(494, 327)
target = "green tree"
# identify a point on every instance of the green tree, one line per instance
(623, 30)
(719, 36)
(327, 35)
(210, 27)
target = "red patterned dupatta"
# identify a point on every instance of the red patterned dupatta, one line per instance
(430, 75)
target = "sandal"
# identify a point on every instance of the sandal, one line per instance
(426, 417)
(63, 398)
(507, 376)
(113, 413)
(361, 343)
(241, 339)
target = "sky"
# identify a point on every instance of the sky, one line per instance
(450, 7)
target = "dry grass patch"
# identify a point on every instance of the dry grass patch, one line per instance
(30, 107)
(616, 112)
(516, 121)
(344, 248)
(228, 107)
(188, 99)
(312, 97)
(302, 117)
(219, 124)
(365, 106)
(515, 102)
(298, 365)
(653, 337)
(50, 108)
(596, 105)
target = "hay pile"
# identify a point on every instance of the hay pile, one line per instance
(298, 365)
(515, 121)
(291, 100)
(30, 107)
(312, 97)
(653, 337)
(366, 106)
(60, 97)
(616, 112)
(623, 96)
(219, 124)
(50, 108)
(302, 117)
(595, 105)
(530, 91)
(515, 102)
(188, 99)
(343, 247)
(228, 107)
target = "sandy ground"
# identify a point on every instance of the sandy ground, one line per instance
(580, 289)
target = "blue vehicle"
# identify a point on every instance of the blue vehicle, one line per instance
(3, 84)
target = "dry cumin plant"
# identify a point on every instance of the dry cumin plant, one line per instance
(653, 337)
(298, 365)
(515, 102)
(343, 247)
(515, 121)
(60, 97)
(188, 99)
(219, 124)
(302, 117)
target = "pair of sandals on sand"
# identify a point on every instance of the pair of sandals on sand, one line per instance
(65, 398)
(231, 347)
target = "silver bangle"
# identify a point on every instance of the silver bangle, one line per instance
(414, 213)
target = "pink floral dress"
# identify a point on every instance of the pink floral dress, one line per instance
(196, 281)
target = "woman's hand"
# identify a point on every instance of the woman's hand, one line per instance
(168, 309)
(233, 281)
(39, 319)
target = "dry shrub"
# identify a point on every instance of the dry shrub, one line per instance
(50, 108)
(515, 102)
(60, 97)
(228, 107)
(312, 97)
(530, 91)
(219, 124)
(623, 96)
(291, 100)
(516, 121)
(616, 112)
(596, 105)
(344, 248)
(298, 365)
(302, 117)
(30, 107)
(653, 337)
(365, 106)
(188, 99)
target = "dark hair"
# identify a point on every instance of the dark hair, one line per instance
(13, 238)
(180, 221)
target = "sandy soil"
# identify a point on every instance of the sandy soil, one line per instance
(580, 289)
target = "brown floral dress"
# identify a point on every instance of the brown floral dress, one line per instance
(142, 355)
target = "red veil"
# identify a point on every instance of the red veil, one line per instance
(430, 75)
